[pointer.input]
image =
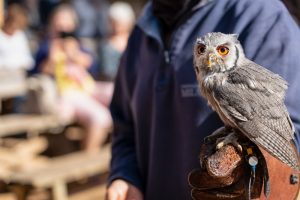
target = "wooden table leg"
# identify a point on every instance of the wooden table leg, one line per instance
(59, 190)
(20, 191)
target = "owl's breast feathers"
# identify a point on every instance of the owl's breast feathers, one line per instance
(250, 98)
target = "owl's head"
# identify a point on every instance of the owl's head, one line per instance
(217, 52)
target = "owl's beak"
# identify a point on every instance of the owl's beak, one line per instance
(210, 60)
(209, 63)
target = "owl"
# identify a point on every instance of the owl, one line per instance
(247, 97)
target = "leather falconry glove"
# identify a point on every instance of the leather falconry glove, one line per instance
(229, 174)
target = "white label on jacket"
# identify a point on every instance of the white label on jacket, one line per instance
(190, 90)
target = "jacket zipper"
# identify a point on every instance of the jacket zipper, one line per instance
(167, 56)
(169, 44)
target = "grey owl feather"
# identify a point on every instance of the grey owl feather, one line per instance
(247, 96)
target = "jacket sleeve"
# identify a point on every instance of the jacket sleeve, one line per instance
(272, 40)
(124, 161)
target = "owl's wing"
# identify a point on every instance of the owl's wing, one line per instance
(259, 78)
(253, 99)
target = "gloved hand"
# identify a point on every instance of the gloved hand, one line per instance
(224, 174)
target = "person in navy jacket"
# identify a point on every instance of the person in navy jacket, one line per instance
(160, 119)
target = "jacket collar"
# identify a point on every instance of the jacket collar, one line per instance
(150, 24)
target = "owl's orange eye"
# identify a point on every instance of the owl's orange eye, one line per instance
(222, 50)
(201, 48)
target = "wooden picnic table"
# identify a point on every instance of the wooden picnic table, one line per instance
(55, 173)
(12, 83)
(59, 171)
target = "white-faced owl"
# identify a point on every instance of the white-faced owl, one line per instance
(247, 97)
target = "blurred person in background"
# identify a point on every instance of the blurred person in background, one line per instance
(45, 8)
(32, 7)
(14, 48)
(62, 19)
(93, 24)
(62, 57)
(122, 19)
(33, 14)
(93, 18)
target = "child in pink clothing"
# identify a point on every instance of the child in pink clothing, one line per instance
(79, 98)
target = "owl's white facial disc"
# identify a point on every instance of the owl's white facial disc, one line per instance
(217, 52)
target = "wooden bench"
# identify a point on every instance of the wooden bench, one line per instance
(56, 172)
(11, 124)
(14, 83)
(60, 171)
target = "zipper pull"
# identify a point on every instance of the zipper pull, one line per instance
(167, 56)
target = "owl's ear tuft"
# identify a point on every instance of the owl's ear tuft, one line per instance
(200, 40)
(236, 36)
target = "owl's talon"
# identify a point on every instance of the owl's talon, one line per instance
(229, 139)
(219, 145)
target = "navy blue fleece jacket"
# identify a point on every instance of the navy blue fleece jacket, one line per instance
(160, 119)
